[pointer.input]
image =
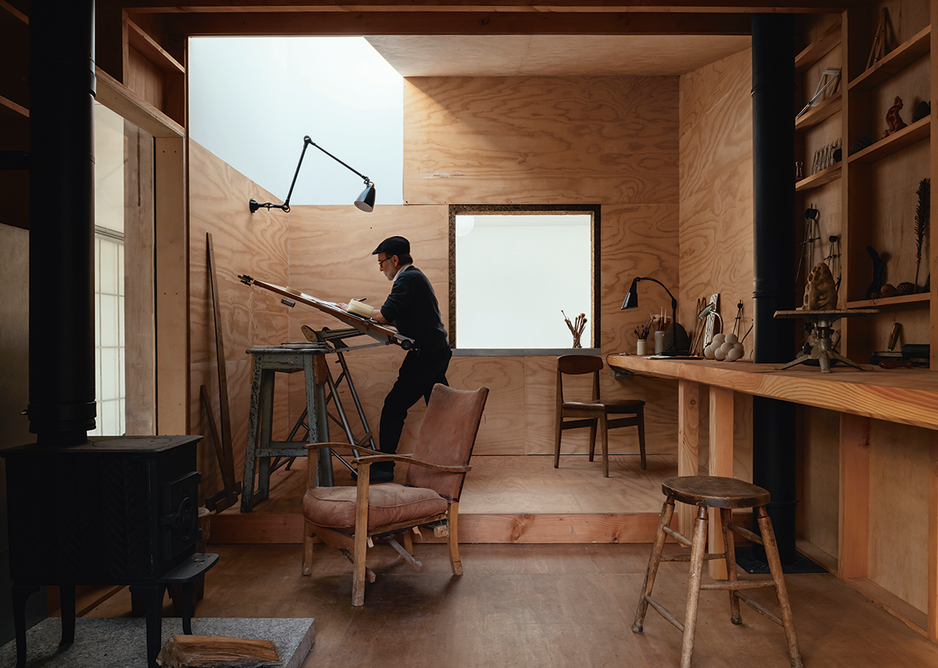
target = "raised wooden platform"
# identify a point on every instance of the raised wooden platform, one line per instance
(506, 500)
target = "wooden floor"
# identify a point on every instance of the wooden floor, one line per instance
(505, 499)
(536, 605)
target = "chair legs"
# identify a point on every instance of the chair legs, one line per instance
(453, 539)
(641, 436)
(697, 558)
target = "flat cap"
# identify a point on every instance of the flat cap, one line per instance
(393, 246)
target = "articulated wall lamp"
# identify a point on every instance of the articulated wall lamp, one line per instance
(365, 201)
(676, 339)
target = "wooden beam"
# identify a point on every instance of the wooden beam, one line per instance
(455, 23)
(853, 549)
(720, 464)
(688, 448)
(607, 6)
(124, 102)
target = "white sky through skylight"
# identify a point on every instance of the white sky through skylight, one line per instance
(252, 100)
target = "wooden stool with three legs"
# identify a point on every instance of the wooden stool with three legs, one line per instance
(723, 493)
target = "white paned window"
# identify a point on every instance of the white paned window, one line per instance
(109, 272)
(518, 274)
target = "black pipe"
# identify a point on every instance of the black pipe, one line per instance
(61, 229)
(773, 156)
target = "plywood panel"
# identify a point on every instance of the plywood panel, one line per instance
(899, 462)
(820, 502)
(139, 316)
(254, 244)
(716, 187)
(540, 140)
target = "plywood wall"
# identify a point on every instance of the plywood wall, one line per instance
(610, 141)
(540, 140)
(544, 140)
(245, 243)
(716, 209)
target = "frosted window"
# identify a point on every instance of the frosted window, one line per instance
(109, 272)
(516, 273)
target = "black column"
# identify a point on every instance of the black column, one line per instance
(773, 154)
(61, 228)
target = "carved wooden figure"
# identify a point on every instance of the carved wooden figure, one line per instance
(820, 291)
(893, 122)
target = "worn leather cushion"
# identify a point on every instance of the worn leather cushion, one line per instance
(389, 503)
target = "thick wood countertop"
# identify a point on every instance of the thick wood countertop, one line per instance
(906, 396)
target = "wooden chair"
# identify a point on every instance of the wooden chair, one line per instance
(723, 493)
(351, 518)
(576, 414)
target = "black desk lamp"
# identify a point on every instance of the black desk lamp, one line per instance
(679, 343)
(365, 201)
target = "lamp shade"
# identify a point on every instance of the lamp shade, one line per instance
(366, 201)
(631, 297)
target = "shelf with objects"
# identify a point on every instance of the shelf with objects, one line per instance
(887, 182)
(819, 122)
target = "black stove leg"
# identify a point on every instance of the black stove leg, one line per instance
(67, 605)
(20, 595)
(152, 597)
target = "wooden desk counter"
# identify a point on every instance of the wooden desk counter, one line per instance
(904, 396)
(907, 396)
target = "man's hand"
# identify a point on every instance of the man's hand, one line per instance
(378, 318)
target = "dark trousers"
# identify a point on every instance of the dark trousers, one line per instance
(419, 372)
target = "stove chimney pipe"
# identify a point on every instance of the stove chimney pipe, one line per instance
(61, 229)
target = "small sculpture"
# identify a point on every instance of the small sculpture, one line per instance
(893, 122)
(820, 290)
(922, 109)
(905, 288)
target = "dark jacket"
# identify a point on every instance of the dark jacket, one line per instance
(413, 309)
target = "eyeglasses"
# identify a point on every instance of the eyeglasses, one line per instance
(381, 262)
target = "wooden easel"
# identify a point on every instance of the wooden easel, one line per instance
(879, 39)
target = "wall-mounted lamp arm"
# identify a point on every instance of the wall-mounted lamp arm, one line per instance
(365, 201)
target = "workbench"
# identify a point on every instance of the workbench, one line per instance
(904, 396)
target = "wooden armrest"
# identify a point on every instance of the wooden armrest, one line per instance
(408, 459)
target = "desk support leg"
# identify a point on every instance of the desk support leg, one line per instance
(854, 518)
(721, 464)
(688, 438)
(315, 373)
(932, 622)
(247, 485)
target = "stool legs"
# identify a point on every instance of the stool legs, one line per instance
(726, 518)
(775, 567)
(697, 551)
(664, 519)
(697, 558)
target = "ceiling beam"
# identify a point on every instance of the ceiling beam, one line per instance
(535, 6)
(457, 23)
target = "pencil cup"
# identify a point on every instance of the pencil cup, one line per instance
(640, 347)
(659, 342)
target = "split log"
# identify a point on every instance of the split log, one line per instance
(185, 651)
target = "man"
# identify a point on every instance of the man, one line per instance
(413, 309)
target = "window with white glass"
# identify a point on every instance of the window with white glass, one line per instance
(109, 272)
(520, 273)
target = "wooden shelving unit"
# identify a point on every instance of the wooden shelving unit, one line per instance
(911, 134)
(874, 207)
(819, 179)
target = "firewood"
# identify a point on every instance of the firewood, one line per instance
(184, 651)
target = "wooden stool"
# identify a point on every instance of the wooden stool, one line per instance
(288, 358)
(725, 494)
